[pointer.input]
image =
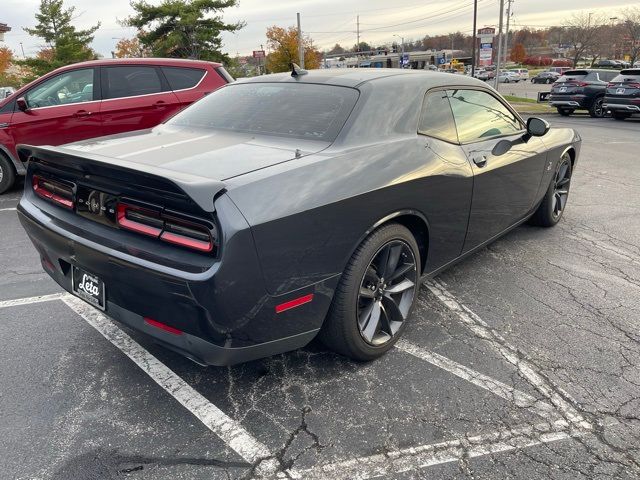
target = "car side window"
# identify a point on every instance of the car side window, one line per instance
(436, 118)
(75, 86)
(479, 115)
(131, 81)
(180, 78)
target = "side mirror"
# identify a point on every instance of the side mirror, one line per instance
(537, 127)
(22, 104)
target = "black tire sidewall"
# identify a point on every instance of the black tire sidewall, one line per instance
(8, 174)
(354, 345)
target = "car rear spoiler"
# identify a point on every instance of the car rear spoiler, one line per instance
(201, 190)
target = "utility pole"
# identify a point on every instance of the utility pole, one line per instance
(474, 38)
(506, 37)
(300, 47)
(263, 62)
(357, 41)
(499, 57)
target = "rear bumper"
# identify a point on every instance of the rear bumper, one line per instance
(621, 107)
(573, 101)
(224, 315)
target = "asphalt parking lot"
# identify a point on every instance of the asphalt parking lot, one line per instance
(521, 362)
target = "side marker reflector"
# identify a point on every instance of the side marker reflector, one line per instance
(294, 303)
(162, 326)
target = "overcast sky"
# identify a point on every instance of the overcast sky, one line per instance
(326, 21)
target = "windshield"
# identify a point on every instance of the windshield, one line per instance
(298, 110)
(577, 76)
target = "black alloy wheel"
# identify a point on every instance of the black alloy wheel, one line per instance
(561, 184)
(375, 296)
(553, 204)
(597, 108)
(387, 291)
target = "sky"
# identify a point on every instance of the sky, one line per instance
(327, 22)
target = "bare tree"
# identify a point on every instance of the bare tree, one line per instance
(631, 29)
(583, 32)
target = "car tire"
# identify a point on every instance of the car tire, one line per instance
(358, 324)
(550, 211)
(620, 115)
(596, 110)
(565, 112)
(7, 174)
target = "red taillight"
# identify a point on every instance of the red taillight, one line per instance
(132, 218)
(195, 244)
(631, 85)
(611, 85)
(57, 192)
(162, 326)
(167, 228)
(294, 303)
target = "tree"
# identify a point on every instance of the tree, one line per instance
(283, 44)
(54, 26)
(65, 43)
(631, 28)
(337, 49)
(130, 48)
(518, 53)
(6, 56)
(582, 32)
(361, 47)
(183, 28)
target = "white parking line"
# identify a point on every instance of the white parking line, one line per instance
(11, 209)
(560, 399)
(28, 300)
(229, 430)
(412, 458)
(496, 387)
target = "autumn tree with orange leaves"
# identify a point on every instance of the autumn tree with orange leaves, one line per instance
(283, 44)
(518, 53)
(6, 55)
(130, 48)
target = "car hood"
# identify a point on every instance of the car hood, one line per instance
(213, 154)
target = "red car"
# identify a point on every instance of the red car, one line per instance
(97, 98)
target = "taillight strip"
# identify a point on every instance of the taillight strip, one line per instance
(43, 192)
(163, 226)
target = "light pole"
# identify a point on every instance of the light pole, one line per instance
(401, 50)
(613, 36)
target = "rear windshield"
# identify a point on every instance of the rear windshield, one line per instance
(298, 110)
(628, 76)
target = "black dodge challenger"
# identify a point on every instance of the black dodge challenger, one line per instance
(292, 205)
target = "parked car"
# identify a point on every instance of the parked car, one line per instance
(622, 98)
(97, 98)
(507, 76)
(545, 77)
(522, 72)
(287, 206)
(6, 91)
(581, 90)
(560, 70)
(485, 75)
(609, 64)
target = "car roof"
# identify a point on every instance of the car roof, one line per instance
(354, 77)
(630, 71)
(165, 62)
(585, 71)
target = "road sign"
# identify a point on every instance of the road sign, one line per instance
(258, 54)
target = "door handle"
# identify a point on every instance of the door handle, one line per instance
(81, 114)
(160, 103)
(480, 161)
